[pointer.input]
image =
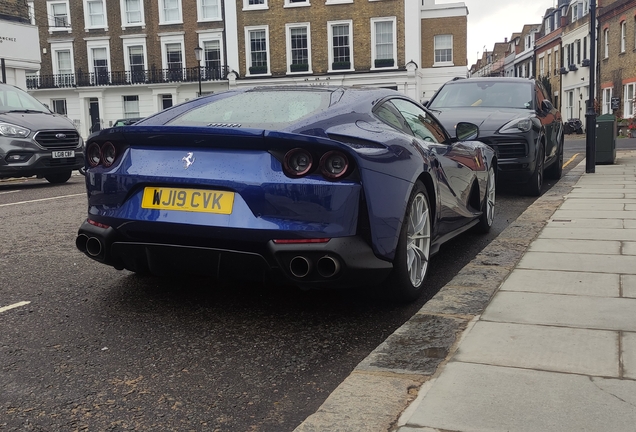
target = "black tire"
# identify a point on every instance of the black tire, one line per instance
(535, 184)
(58, 178)
(555, 171)
(488, 206)
(406, 283)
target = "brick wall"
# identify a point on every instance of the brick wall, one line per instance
(456, 26)
(17, 10)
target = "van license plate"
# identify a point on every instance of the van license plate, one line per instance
(62, 154)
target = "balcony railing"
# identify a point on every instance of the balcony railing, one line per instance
(117, 78)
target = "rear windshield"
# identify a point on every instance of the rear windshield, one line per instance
(257, 109)
(495, 94)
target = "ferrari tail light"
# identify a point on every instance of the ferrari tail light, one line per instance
(297, 162)
(94, 154)
(334, 164)
(109, 153)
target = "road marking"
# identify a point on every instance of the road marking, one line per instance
(8, 192)
(571, 159)
(13, 306)
(42, 199)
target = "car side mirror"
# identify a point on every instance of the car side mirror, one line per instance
(466, 131)
(546, 106)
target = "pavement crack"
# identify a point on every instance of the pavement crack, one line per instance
(609, 393)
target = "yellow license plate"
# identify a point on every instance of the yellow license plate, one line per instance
(192, 200)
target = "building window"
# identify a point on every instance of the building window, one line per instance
(95, 14)
(174, 57)
(257, 50)
(549, 64)
(132, 13)
(541, 67)
(254, 4)
(298, 46)
(59, 16)
(208, 10)
(212, 59)
(340, 45)
(628, 97)
(296, 3)
(575, 12)
(607, 100)
(383, 46)
(136, 63)
(623, 36)
(444, 49)
(131, 106)
(169, 11)
(606, 42)
(59, 106)
(99, 63)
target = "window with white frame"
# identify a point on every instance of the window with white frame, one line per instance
(298, 48)
(444, 49)
(31, 6)
(98, 62)
(135, 59)
(623, 35)
(628, 98)
(340, 45)
(131, 106)
(212, 59)
(606, 42)
(208, 10)
(257, 50)
(172, 57)
(575, 12)
(169, 11)
(383, 46)
(607, 100)
(549, 64)
(132, 13)
(541, 66)
(95, 14)
(59, 16)
(58, 106)
(254, 4)
(296, 3)
(62, 63)
(569, 104)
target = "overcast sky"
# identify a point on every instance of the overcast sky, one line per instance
(491, 21)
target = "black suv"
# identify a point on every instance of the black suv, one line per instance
(515, 117)
(35, 141)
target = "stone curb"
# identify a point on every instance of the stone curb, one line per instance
(382, 386)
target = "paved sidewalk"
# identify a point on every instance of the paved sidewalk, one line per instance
(555, 350)
(537, 333)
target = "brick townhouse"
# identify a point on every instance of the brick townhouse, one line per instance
(104, 60)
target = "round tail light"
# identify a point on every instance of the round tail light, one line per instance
(94, 154)
(334, 164)
(108, 154)
(298, 162)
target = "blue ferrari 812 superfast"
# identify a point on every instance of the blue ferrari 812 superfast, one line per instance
(321, 186)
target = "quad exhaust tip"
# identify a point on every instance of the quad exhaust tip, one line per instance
(93, 246)
(299, 266)
(328, 266)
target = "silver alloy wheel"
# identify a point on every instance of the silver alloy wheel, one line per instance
(418, 241)
(490, 197)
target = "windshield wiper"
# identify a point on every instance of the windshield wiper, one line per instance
(28, 111)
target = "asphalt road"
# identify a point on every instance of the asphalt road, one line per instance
(100, 349)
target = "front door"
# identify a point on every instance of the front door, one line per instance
(93, 111)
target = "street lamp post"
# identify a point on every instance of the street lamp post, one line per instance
(198, 53)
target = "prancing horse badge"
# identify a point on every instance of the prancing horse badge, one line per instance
(188, 159)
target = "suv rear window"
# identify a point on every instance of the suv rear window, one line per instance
(491, 94)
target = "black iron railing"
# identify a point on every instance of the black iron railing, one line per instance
(116, 78)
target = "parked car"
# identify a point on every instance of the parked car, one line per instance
(328, 187)
(35, 141)
(515, 117)
(127, 121)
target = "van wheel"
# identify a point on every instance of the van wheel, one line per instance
(58, 178)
